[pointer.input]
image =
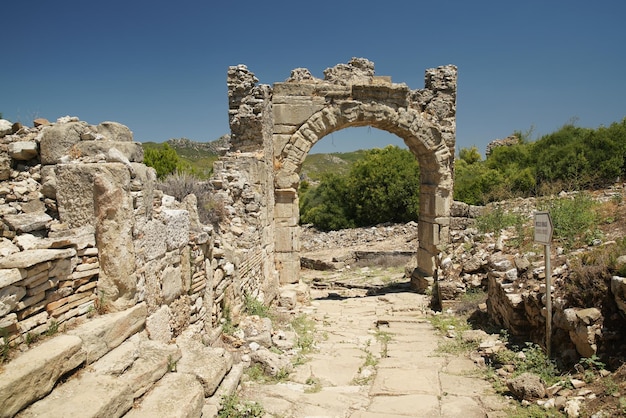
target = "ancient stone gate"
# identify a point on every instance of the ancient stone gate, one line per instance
(280, 125)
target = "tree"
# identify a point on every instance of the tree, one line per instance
(164, 160)
(382, 187)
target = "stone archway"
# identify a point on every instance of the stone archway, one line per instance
(305, 109)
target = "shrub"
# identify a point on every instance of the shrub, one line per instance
(574, 220)
(210, 208)
(163, 159)
(496, 219)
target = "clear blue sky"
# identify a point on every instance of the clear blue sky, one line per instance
(160, 67)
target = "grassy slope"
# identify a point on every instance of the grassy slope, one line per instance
(314, 165)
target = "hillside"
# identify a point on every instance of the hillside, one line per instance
(315, 165)
(201, 155)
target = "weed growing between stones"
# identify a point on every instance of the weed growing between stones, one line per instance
(452, 327)
(313, 385)
(233, 407)
(4, 345)
(367, 371)
(227, 322)
(253, 306)
(53, 329)
(531, 359)
(383, 338)
(256, 374)
(171, 364)
(304, 328)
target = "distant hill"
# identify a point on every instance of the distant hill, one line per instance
(201, 155)
(198, 155)
(315, 165)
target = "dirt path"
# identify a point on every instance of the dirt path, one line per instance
(376, 356)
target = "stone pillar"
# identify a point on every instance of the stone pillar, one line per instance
(287, 238)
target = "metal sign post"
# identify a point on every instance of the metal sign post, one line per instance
(543, 235)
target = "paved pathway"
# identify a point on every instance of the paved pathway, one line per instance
(361, 375)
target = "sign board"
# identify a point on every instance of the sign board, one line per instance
(543, 228)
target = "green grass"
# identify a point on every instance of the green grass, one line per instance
(234, 407)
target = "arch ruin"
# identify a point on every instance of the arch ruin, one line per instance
(280, 125)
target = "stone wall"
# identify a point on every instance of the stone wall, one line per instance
(84, 231)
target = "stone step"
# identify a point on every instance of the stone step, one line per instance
(89, 394)
(139, 362)
(33, 374)
(104, 333)
(226, 388)
(177, 395)
(208, 364)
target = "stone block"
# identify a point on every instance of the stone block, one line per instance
(58, 139)
(287, 239)
(154, 360)
(28, 222)
(9, 276)
(28, 258)
(288, 267)
(23, 150)
(33, 374)
(75, 189)
(102, 334)
(87, 395)
(133, 151)
(171, 283)
(177, 395)
(176, 228)
(208, 365)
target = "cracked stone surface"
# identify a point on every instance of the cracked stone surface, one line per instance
(408, 378)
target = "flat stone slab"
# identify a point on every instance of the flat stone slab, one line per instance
(461, 406)
(407, 405)
(154, 361)
(102, 334)
(177, 395)
(464, 386)
(209, 365)
(405, 382)
(87, 395)
(33, 374)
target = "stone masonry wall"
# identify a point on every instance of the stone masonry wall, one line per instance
(84, 231)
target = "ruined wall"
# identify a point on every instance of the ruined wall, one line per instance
(84, 231)
(514, 281)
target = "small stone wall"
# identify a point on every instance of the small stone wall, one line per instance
(515, 286)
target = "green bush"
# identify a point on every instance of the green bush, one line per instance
(163, 159)
(574, 219)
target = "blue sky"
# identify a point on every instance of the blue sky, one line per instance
(160, 67)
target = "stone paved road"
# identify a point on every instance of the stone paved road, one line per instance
(362, 377)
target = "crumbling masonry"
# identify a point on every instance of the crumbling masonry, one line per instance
(90, 247)
(280, 125)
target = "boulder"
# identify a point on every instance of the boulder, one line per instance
(114, 131)
(526, 386)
